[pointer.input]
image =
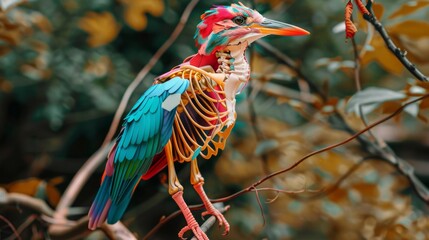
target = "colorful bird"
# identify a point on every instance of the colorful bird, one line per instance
(187, 112)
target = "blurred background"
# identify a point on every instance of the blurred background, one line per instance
(64, 66)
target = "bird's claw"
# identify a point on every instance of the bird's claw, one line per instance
(220, 218)
(198, 233)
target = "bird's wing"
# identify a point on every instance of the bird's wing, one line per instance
(146, 130)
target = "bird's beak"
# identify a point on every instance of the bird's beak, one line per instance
(269, 26)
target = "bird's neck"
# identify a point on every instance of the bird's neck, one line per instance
(233, 63)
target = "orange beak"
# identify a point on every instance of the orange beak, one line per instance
(269, 26)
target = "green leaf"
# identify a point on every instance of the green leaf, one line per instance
(370, 98)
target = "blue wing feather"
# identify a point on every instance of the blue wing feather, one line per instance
(147, 129)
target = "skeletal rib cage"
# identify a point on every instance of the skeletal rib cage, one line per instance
(200, 122)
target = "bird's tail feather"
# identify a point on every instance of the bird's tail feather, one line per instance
(101, 205)
(117, 210)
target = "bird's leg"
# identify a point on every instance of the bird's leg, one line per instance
(197, 181)
(175, 189)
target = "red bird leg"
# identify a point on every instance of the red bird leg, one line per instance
(176, 191)
(192, 223)
(197, 181)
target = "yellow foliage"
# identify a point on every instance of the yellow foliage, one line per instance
(135, 12)
(333, 163)
(411, 28)
(408, 8)
(101, 27)
(5, 86)
(10, 34)
(37, 188)
(366, 190)
(41, 22)
(99, 67)
(410, 35)
(382, 56)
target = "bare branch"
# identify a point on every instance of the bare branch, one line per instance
(212, 219)
(23, 226)
(357, 78)
(79, 229)
(19, 199)
(357, 65)
(400, 55)
(10, 226)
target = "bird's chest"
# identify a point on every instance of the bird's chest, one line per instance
(200, 122)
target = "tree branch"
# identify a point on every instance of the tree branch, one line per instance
(65, 229)
(15, 232)
(212, 219)
(400, 55)
(18, 199)
(165, 220)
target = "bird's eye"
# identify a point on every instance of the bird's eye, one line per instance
(239, 20)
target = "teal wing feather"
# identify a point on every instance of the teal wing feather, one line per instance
(146, 130)
(145, 134)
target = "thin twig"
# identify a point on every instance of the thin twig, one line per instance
(64, 229)
(261, 208)
(357, 65)
(10, 226)
(212, 219)
(19, 199)
(79, 229)
(357, 79)
(165, 220)
(23, 226)
(400, 55)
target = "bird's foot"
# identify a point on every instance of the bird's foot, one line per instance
(198, 233)
(192, 224)
(211, 210)
(219, 216)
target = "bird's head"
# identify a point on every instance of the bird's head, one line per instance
(224, 26)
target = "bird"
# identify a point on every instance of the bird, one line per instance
(187, 114)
